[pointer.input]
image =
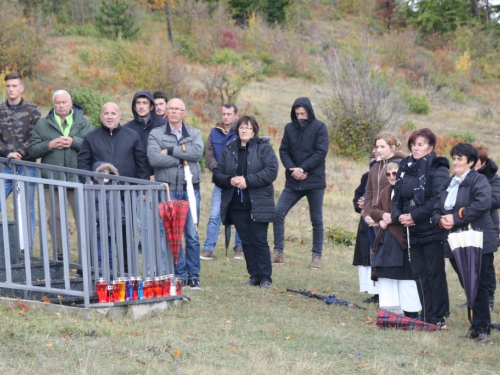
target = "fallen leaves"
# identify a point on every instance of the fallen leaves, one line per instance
(234, 350)
(176, 353)
(48, 345)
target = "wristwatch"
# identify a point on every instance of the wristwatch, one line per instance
(301, 170)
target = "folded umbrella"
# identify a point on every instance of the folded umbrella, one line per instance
(329, 300)
(387, 319)
(174, 216)
(466, 247)
(227, 232)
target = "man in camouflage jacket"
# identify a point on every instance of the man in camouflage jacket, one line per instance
(17, 120)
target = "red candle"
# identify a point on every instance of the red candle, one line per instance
(101, 288)
(111, 296)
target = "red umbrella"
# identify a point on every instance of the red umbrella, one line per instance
(174, 216)
(386, 319)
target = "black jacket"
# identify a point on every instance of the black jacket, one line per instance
(474, 193)
(490, 169)
(262, 170)
(424, 231)
(141, 127)
(305, 145)
(362, 247)
(121, 147)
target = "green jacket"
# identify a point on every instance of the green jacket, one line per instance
(47, 129)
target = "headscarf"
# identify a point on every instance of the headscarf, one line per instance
(452, 190)
(421, 169)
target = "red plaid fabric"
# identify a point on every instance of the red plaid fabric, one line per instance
(386, 319)
(174, 216)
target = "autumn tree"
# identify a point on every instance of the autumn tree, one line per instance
(165, 5)
(385, 9)
(113, 20)
(22, 39)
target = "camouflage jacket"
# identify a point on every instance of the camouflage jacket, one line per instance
(16, 126)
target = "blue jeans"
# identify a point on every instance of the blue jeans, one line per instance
(286, 201)
(188, 265)
(213, 226)
(31, 172)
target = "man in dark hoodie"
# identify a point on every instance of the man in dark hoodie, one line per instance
(303, 152)
(57, 139)
(145, 118)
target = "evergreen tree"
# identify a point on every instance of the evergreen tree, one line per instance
(275, 10)
(113, 20)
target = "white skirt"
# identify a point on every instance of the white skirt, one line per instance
(366, 284)
(399, 294)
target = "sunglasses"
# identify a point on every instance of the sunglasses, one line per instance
(388, 174)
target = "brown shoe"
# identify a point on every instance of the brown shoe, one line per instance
(277, 258)
(238, 253)
(315, 263)
(207, 255)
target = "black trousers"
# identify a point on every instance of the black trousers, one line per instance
(427, 265)
(253, 237)
(481, 318)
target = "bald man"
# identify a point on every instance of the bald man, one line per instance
(168, 147)
(57, 139)
(111, 143)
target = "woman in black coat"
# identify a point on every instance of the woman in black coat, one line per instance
(489, 169)
(246, 172)
(466, 200)
(420, 178)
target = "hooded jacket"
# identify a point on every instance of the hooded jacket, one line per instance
(16, 127)
(169, 168)
(305, 145)
(377, 181)
(218, 139)
(490, 169)
(474, 196)
(143, 127)
(47, 129)
(106, 168)
(262, 170)
(120, 146)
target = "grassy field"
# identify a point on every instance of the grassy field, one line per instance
(232, 329)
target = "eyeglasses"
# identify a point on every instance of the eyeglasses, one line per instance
(245, 128)
(388, 174)
(175, 109)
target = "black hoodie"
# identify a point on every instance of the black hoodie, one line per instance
(305, 145)
(490, 169)
(144, 127)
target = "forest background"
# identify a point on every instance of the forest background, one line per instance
(367, 65)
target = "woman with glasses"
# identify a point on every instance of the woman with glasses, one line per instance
(390, 264)
(387, 150)
(245, 173)
(420, 178)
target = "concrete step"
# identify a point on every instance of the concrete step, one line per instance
(37, 271)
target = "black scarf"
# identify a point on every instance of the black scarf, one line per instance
(421, 169)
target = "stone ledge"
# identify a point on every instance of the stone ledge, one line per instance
(134, 310)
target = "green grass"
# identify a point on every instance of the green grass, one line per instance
(231, 329)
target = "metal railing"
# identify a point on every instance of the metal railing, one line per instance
(118, 217)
